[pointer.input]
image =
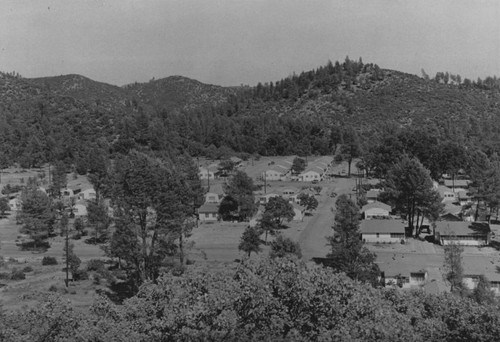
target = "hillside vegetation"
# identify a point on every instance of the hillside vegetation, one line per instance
(301, 114)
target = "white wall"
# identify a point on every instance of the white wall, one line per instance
(374, 212)
(382, 237)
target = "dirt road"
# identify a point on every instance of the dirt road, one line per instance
(312, 239)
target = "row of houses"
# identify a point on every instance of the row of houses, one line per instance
(412, 271)
(79, 208)
(317, 170)
(378, 226)
(209, 211)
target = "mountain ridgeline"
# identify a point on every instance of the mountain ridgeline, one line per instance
(314, 112)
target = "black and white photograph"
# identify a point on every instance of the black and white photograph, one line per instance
(249, 170)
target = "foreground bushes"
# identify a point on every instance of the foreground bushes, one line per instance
(278, 299)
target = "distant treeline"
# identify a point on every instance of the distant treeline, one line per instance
(305, 114)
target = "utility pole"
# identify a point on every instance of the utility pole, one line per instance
(67, 253)
(265, 183)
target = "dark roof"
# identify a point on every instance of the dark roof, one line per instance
(382, 226)
(209, 208)
(446, 228)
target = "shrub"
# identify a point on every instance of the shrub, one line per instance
(17, 275)
(4, 276)
(80, 275)
(47, 260)
(28, 269)
(53, 288)
(95, 265)
(97, 279)
(282, 246)
(178, 270)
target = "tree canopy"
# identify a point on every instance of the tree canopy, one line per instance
(408, 187)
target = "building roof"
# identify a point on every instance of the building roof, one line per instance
(450, 217)
(312, 169)
(373, 193)
(235, 160)
(376, 204)
(450, 208)
(446, 228)
(278, 168)
(382, 226)
(393, 264)
(481, 265)
(459, 183)
(209, 208)
(463, 195)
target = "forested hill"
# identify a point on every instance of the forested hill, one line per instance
(176, 93)
(314, 112)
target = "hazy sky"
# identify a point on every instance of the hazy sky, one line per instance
(232, 42)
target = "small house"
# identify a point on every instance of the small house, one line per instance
(404, 276)
(310, 175)
(372, 195)
(463, 233)
(208, 212)
(376, 210)
(275, 173)
(382, 231)
(449, 196)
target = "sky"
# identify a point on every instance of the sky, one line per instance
(233, 42)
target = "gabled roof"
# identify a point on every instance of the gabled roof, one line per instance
(209, 208)
(376, 204)
(382, 226)
(447, 228)
(235, 160)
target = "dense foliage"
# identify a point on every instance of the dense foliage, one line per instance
(279, 299)
(347, 104)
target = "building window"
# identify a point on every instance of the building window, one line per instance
(397, 235)
(378, 235)
(207, 215)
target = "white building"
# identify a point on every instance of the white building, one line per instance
(382, 231)
(208, 212)
(310, 175)
(376, 210)
(463, 233)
